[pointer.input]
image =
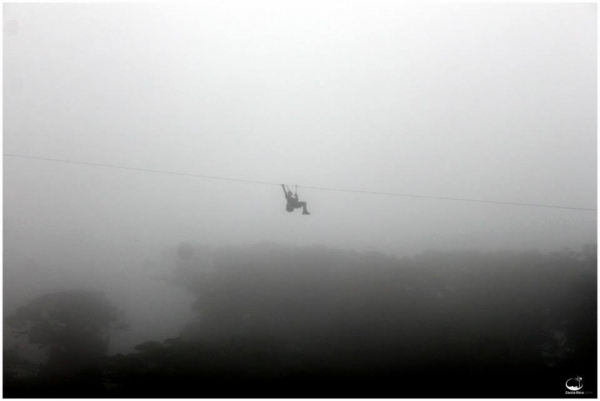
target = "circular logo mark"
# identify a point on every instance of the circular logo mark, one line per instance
(574, 383)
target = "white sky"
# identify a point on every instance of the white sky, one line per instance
(473, 100)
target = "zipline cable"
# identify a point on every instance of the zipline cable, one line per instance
(146, 170)
(305, 187)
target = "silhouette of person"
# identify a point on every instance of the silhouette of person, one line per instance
(293, 202)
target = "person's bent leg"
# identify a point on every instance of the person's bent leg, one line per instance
(303, 205)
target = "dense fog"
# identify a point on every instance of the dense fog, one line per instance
(268, 320)
(447, 155)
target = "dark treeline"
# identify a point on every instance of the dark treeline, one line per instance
(283, 322)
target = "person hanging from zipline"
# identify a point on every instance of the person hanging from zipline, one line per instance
(292, 200)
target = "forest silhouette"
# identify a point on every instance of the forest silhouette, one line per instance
(276, 321)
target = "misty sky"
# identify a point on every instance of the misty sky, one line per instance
(481, 101)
